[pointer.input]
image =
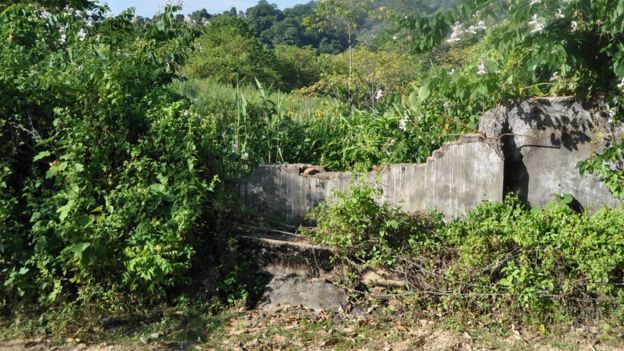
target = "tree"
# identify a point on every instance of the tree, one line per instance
(230, 52)
(299, 67)
(200, 15)
(344, 15)
(262, 16)
(285, 32)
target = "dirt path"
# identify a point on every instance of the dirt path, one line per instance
(300, 329)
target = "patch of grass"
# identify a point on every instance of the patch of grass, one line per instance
(181, 323)
(210, 97)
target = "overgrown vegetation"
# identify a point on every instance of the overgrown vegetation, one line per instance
(106, 171)
(504, 262)
(118, 133)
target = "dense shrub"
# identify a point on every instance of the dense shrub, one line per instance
(298, 67)
(503, 261)
(366, 231)
(104, 170)
(376, 74)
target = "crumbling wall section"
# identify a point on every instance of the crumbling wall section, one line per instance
(543, 139)
(530, 147)
(454, 180)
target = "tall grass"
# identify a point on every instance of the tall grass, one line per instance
(214, 97)
(256, 126)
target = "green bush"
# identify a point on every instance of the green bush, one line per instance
(373, 71)
(298, 67)
(104, 171)
(543, 263)
(229, 52)
(365, 231)
(502, 261)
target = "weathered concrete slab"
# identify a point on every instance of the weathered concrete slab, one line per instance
(454, 180)
(286, 193)
(298, 291)
(543, 139)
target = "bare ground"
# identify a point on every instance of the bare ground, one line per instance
(292, 328)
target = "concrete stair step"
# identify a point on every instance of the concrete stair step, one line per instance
(281, 253)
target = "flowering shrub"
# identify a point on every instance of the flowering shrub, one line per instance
(523, 48)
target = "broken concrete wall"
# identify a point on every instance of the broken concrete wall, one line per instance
(457, 178)
(454, 180)
(543, 139)
(285, 193)
(530, 148)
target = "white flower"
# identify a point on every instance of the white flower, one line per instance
(481, 70)
(573, 26)
(394, 37)
(471, 30)
(89, 22)
(446, 106)
(538, 28)
(537, 24)
(82, 35)
(611, 111)
(559, 14)
(554, 77)
(45, 15)
(63, 36)
(534, 20)
(403, 123)
(457, 32)
(480, 26)
(534, 2)
(621, 85)
(245, 156)
(379, 94)
(452, 71)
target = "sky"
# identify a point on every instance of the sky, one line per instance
(148, 8)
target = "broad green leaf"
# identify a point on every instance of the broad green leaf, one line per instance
(41, 155)
(79, 249)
